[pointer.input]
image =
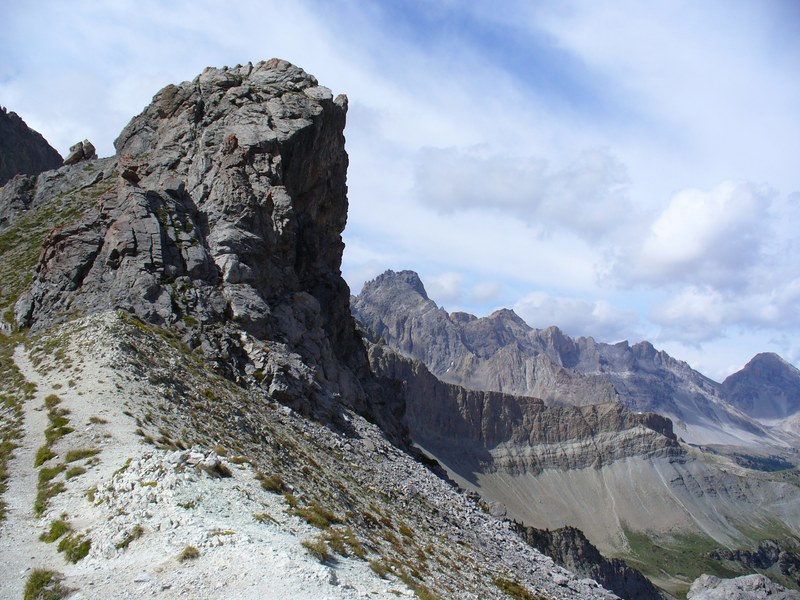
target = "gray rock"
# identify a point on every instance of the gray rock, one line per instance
(23, 151)
(747, 587)
(79, 152)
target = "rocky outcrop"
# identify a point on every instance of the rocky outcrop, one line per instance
(222, 218)
(767, 387)
(748, 587)
(766, 555)
(502, 353)
(23, 151)
(518, 434)
(570, 548)
(81, 151)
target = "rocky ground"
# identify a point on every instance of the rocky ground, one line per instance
(392, 529)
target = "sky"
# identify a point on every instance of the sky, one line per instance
(624, 170)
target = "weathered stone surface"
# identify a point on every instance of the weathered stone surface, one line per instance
(224, 215)
(79, 152)
(23, 151)
(571, 549)
(767, 554)
(517, 434)
(748, 587)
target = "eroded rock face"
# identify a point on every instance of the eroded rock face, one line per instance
(23, 151)
(502, 432)
(226, 207)
(571, 549)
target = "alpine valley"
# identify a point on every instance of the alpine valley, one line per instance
(190, 409)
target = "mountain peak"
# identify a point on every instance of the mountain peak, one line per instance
(767, 387)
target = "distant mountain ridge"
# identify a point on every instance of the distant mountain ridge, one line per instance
(501, 352)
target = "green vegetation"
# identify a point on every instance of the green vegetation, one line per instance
(271, 483)
(133, 534)
(43, 454)
(317, 515)
(14, 390)
(74, 472)
(75, 547)
(46, 489)
(515, 589)
(57, 528)
(674, 562)
(318, 549)
(380, 568)
(188, 553)
(45, 585)
(80, 454)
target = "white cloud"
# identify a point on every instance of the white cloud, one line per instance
(587, 196)
(445, 288)
(598, 318)
(707, 237)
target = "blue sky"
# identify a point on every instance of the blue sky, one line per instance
(621, 169)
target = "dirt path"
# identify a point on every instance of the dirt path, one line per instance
(20, 548)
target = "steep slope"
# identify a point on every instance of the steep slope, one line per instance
(150, 453)
(502, 353)
(180, 305)
(23, 151)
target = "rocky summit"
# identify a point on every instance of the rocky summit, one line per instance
(23, 151)
(188, 408)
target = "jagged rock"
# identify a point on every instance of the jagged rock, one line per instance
(221, 213)
(767, 554)
(23, 150)
(570, 548)
(748, 587)
(81, 151)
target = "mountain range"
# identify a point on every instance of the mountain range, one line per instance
(189, 408)
(579, 433)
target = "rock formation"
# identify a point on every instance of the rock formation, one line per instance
(224, 204)
(22, 150)
(81, 151)
(619, 475)
(185, 295)
(767, 554)
(749, 587)
(570, 548)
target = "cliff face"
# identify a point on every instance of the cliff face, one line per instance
(23, 151)
(220, 215)
(518, 435)
(502, 353)
(570, 548)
